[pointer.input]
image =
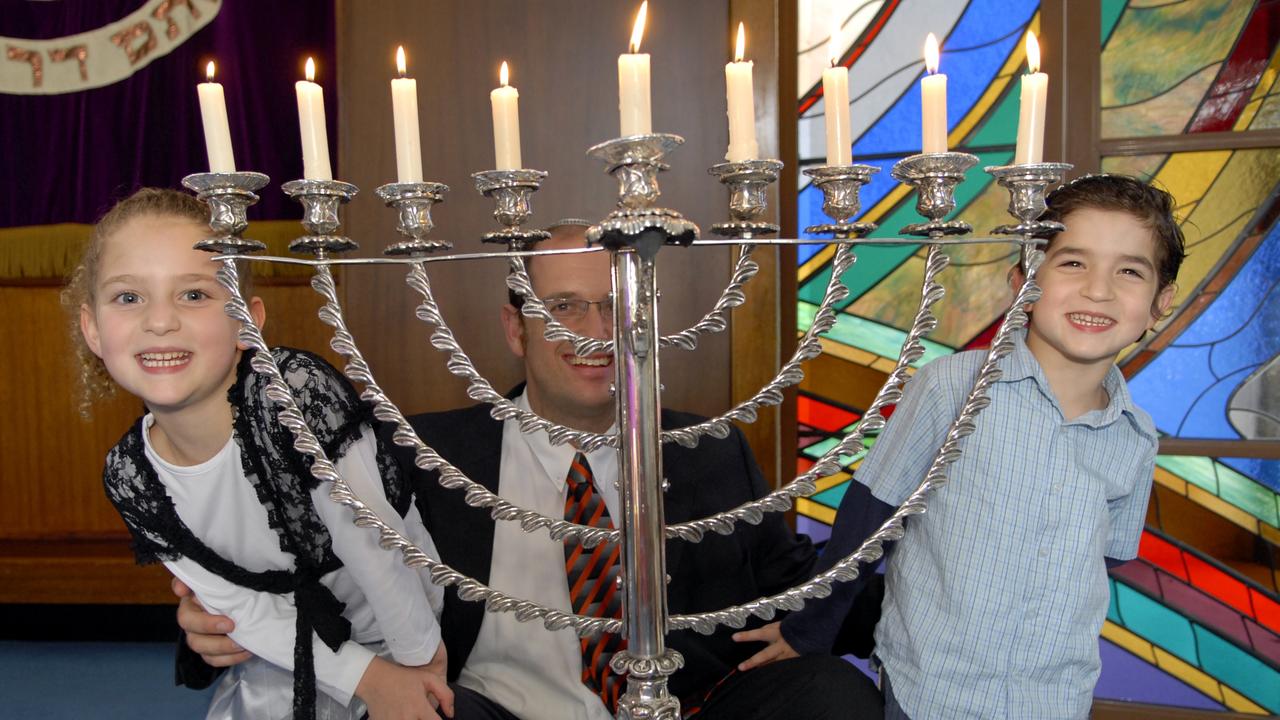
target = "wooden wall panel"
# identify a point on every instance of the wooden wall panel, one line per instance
(563, 55)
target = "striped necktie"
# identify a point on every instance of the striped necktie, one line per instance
(593, 588)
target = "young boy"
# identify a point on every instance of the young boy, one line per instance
(996, 594)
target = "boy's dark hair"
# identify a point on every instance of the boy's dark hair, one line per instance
(1150, 205)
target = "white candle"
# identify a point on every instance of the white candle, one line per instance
(217, 133)
(1035, 93)
(506, 123)
(633, 83)
(404, 110)
(315, 138)
(835, 96)
(741, 102)
(933, 101)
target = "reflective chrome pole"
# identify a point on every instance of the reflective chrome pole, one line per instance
(646, 659)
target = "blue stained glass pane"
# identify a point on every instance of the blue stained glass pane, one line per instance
(1239, 331)
(1155, 622)
(1207, 416)
(977, 48)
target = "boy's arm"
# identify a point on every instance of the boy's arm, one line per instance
(813, 629)
(1128, 514)
(392, 589)
(266, 625)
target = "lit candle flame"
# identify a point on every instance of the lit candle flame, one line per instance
(834, 47)
(637, 30)
(208, 71)
(504, 74)
(931, 53)
(311, 70)
(742, 43)
(401, 64)
(1033, 53)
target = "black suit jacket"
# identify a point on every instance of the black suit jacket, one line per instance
(720, 571)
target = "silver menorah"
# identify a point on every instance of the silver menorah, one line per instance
(633, 234)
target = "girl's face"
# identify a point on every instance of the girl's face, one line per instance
(157, 318)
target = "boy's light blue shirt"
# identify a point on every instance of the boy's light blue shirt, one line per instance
(997, 593)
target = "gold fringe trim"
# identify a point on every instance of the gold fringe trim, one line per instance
(50, 252)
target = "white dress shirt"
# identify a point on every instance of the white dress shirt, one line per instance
(385, 600)
(529, 670)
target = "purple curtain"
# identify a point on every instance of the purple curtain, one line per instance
(68, 158)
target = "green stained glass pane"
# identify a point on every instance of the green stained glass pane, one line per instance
(1160, 62)
(1155, 622)
(1110, 12)
(1246, 494)
(1001, 126)
(1195, 470)
(1244, 673)
(868, 335)
(832, 496)
(820, 448)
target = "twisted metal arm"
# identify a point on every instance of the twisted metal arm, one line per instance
(872, 548)
(716, 319)
(324, 470)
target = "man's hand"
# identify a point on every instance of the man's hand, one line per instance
(777, 648)
(206, 633)
(395, 692)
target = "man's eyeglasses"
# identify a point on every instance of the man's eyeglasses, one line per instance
(570, 309)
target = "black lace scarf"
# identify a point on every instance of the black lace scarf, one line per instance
(282, 481)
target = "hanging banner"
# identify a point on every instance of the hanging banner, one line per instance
(102, 56)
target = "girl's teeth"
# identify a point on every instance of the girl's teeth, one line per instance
(165, 359)
(1090, 320)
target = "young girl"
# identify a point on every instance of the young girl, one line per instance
(208, 483)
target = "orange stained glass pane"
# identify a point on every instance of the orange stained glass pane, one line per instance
(1218, 584)
(821, 415)
(1167, 49)
(1162, 554)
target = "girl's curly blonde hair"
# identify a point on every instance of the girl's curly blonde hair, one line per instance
(93, 381)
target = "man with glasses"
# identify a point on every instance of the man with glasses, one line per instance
(503, 668)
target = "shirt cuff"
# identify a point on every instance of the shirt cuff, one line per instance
(339, 673)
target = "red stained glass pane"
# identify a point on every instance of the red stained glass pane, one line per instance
(1266, 610)
(1240, 74)
(1162, 554)
(803, 464)
(823, 416)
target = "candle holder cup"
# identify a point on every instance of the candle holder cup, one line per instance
(1027, 185)
(511, 190)
(935, 177)
(841, 186)
(635, 162)
(228, 196)
(413, 202)
(320, 201)
(748, 183)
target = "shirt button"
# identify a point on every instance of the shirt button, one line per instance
(1044, 552)
(1057, 487)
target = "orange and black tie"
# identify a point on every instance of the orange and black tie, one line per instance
(593, 582)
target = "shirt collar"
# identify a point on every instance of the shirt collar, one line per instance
(1021, 364)
(555, 459)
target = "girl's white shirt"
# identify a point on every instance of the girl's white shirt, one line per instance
(385, 599)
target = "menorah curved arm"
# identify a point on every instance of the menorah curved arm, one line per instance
(324, 470)
(872, 548)
(828, 463)
(716, 319)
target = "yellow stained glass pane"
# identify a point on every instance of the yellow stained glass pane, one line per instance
(1187, 176)
(1154, 50)
(1142, 166)
(1263, 110)
(1268, 115)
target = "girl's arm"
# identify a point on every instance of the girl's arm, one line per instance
(394, 590)
(265, 626)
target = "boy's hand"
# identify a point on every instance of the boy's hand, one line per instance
(777, 648)
(206, 633)
(395, 692)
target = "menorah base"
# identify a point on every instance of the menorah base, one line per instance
(623, 228)
(515, 238)
(843, 230)
(938, 228)
(744, 229)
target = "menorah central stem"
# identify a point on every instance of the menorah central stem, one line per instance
(646, 659)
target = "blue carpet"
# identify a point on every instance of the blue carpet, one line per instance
(101, 680)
